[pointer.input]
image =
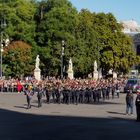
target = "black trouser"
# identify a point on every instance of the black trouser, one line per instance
(98, 96)
(64, 98)
(76, 99)
(48, 97)
(39, 102)
(28, 101)
(138, 112)
(94, 96)
(58, 98)
(113, 93)
(103, 94)
(81, 98)
(54, 97)
(107, 95)
(68, 99)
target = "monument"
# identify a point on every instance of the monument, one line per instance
(95, 73)
(70, 70)
(100, 73)
(37, 70)
(114, 75)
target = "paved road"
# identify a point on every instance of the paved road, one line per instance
(106, 120)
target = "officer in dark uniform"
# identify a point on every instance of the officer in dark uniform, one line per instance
(113, 91)
(48, 93)
(104, 92)
(83, 95)
(94, 94)
(107, 92)
(64, 95)
(129, 103)
(29, 93)
(99, 91)
(40, 93)
(69, 95)
(76, 96)
(137, 103)
(58, 94)
(117, 90)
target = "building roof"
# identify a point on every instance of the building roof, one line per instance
(130, 27)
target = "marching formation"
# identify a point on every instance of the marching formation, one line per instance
(72, 91)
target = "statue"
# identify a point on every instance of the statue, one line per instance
(95, 66)
(37, 71)
(70, 64)
(70, 69)
(37, 62)
(95, 72)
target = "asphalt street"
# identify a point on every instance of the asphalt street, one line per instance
(100, 121)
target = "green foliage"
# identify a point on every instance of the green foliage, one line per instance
(56, 22)
(44, 24)
(18, 58)
(19, 16)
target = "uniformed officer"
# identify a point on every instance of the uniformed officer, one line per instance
(40, 93)
(129, 103)
(113, 91)
(29, 93)
(58, 94)
(48, 92)
(104, 92)
(137, 103)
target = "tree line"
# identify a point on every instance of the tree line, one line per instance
(38, 28)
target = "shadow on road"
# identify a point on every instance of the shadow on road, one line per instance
(116, 113)
(22, 126)
(106, 102)
(22, 107)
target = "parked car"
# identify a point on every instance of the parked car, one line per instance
(132, 84)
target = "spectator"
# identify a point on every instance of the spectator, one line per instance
(129, 103)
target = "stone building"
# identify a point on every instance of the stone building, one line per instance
(132, 29)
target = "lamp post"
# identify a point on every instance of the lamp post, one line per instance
(98, 66)
(1, 51)
(62, 54)
(4, 41)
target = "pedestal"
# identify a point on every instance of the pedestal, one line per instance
(37, 74)
(70, 74)
(114, 75)
(95, 75)
(100, 74)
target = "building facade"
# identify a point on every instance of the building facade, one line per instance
(132, 29)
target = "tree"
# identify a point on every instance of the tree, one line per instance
(88, 37)
(19, 17)
(85, 45)
(56, 21)
(18, 59)
(114, 45)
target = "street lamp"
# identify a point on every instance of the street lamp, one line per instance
(1, 51)
(62, 54)
(4, 41)
(98, 67)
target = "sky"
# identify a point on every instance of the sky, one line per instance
(122, 9)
